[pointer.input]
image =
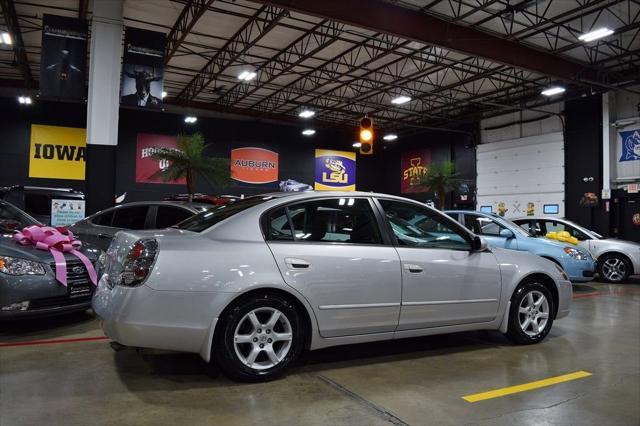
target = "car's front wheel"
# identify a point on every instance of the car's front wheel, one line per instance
(259, 338)
(531, 313)
(614, 268)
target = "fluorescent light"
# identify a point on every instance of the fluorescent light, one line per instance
(164, 95)
(6, 38)
(357, 145)
(400, 100)
(596, 34)
(390, 137)
(556, 90)
(27, 100)
(308, 132)
(24, 100)
(307, 113)
(247, 75)
(190, 119)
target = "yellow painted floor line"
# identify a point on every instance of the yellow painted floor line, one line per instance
(526, 386)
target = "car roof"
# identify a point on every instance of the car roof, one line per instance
(191, 206)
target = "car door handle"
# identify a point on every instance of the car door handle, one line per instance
(294, 263)
(414, 269)
(104, 236)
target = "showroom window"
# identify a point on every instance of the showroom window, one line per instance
(133, 217)
(168, 216)
(415, 226)
(336, 220)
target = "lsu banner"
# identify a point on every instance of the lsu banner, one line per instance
(143, 68)
(630, 142)
(63, 58)
(335, 170)
(413, 166)
(254, 165)
(57, 152)
(146, 165)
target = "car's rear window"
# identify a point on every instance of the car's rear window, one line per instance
(207, 219)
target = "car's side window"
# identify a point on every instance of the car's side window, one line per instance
(481, 225)
(130, 217)
(168, 216)
(416, 226)
(103, 219)
(553, 226)
(345, 220)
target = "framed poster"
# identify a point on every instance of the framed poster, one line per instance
(146, 165)
(66, 212)
(413, 166)
(57, 152)
(254, 165)
(335, 170)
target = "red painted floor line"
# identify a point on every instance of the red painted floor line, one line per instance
(604, 293)
(50, 342)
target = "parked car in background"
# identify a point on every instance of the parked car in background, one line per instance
(617, 259)
(28, 285)
(99, 228)
(36, 200)
(266, 277)
(214, 200)
(577, 262)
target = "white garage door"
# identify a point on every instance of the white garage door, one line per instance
(522, 176)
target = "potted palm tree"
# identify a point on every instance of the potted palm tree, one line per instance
(188, 161)
(441, 179)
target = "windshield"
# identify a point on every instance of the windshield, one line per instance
(208, 218)
(13, 219)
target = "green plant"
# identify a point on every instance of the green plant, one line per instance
(441, 179)
(189, 161)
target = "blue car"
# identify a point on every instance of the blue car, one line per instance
(577, 262)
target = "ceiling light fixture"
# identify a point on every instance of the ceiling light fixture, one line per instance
(596, 34)
(307, 113)
(356, 145)
(247, 75)
(6, 38)
(190, 119)
(390, 137)
(308, 132)
(24, 100)
(164, 95)
(556, 90)
(399, 100)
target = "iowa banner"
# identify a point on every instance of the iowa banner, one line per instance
(335, 170)
(143, 68)
(413, 166)
(57, 152)
(63, 58)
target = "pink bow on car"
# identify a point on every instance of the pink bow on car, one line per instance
(48, 238)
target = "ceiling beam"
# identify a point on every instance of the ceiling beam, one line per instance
(22, 61)
(191, 13)
(380, 16)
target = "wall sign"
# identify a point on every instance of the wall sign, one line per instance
(57, 152)
(143, 68)
(254, 165)
(414, 165)
(146, 165)
(63, 61)
(66, 212)
(630, 145)
(335, 170)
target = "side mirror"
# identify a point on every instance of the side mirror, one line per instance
(478, 244)
(507, 233)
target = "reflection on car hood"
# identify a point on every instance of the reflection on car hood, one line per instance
(618, 242)
(8, 247)
(545, 240)
(524, 260)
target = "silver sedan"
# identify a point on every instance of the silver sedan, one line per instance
(254, 283)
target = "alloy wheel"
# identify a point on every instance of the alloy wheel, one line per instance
(533, 313)
(263, 338)
(614, 269)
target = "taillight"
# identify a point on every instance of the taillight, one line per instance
(138, 263)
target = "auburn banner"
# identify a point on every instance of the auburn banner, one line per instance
(57, 152)
(254, 165)
(335, 170)
(63, 58)
(413, 166)
(146, 165)
(143, 68)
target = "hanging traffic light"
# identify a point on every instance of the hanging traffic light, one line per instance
(366, 136)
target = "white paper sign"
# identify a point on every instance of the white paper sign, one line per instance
(66, 212)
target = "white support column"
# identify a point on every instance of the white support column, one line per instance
(606, 149)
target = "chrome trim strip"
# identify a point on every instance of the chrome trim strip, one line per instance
(448, 302)
(358, 306)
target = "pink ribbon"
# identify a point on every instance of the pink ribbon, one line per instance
(57, 242)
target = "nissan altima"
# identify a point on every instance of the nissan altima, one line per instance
(254, 283)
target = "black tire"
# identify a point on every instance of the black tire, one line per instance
(614, 268)
(515, 331)
(224, 348)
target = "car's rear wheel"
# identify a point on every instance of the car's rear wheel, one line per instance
(531, 313)
(259, 338)
(614, 268)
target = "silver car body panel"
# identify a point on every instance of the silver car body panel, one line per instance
(351, 293)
